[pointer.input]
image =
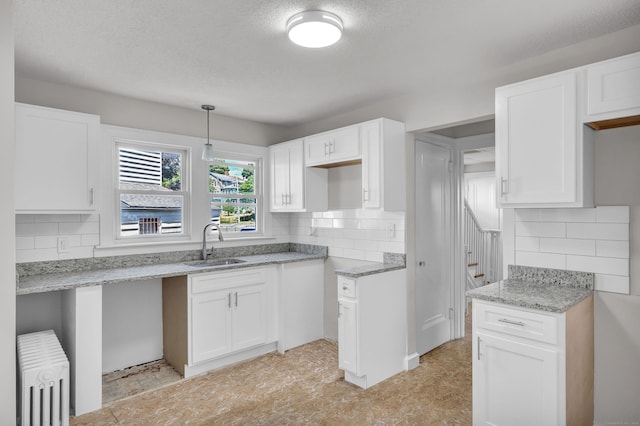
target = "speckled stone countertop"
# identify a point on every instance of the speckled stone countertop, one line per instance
(391, 262)
(550, 290)
(48, 281)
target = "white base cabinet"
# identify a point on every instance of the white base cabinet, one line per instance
(214, 319)
(56, 160)
(372, 327)
(532, 367)
(301, 304)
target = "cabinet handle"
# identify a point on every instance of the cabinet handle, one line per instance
(236, 299)
(287, 198)
(504, 187)
(332, 147)
(283, 199)
(478, 348)
(229, 299)
(345, 288)
(507, 321)
(326, 149)
(91, 196)
(365, 194)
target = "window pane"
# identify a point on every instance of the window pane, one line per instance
(227, 177)
(149, 170)
(234, 218)
(144, 214)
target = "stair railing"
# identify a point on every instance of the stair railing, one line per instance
(483, 250)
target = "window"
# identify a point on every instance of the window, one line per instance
(151, 191)
(235, 196)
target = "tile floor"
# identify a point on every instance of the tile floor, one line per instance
(305, 387)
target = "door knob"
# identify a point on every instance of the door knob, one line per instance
(422, 263)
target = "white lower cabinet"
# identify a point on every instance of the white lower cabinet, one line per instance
(372, 327)
(214, 319)
(532, 367)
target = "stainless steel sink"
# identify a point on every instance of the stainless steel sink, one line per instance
(210, 263)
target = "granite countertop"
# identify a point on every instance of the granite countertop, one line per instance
(67, 280)
(550, 290)
(364, 270)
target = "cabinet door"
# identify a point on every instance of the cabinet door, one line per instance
(249, 316)
(296, 197)
(332, 147)
(372, 178)
(348, 335)
(514, 383)
(210, 325)
(280, 166)
(537, 141)
(613, 88)
(55, 160)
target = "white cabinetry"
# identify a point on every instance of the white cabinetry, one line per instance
(532, 367)
(55, 160)
(372, 327)
(544, 154)
(301, 303)
(383, 164)
(214, 319)
(613, 89)
(295, 188)
(335, 146)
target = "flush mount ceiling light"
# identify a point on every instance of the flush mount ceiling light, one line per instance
(314, 28)
(207, 151)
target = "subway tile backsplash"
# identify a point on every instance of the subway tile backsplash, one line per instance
(37, 236)
(590, 240)
(356, 233)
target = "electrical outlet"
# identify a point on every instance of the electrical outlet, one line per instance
(63, 244)
(391, 230)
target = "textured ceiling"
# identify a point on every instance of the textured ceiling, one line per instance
(235, 54)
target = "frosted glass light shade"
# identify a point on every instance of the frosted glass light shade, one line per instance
(207, 152)
(314, 28)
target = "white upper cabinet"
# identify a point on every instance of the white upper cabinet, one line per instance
(335, 146)
(55, 160)
(544, 154)
(613, 89)
(383, 159)
(295, 188)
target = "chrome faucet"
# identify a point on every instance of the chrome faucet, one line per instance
(204, 239)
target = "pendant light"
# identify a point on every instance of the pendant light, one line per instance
(314, 28)
(207, 151)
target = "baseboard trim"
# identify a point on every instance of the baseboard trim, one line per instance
(413, 360)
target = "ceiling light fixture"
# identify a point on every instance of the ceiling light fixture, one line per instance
(314, 28)
(207, 151)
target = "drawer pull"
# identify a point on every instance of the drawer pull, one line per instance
(345, 288)
(520, 323)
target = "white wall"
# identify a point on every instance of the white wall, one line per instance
(464, 102)
(7, 243)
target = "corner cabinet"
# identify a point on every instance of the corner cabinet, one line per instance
(295, 188)
(56, 163)
(372, 327)
(544, 153)
(532, 367)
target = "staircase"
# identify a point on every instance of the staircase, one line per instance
(483, 249)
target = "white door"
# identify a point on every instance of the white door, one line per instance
(348, 335)
(514, 383)
(279, 177)
(210, 325)
(434, 240)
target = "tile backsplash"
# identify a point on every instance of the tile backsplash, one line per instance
(37, 236)
(356, 233)
(591, 240)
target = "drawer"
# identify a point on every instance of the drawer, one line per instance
(226, 279)
(533, 325)
(346, 287)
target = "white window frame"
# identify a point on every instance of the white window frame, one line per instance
(258, 186)
(185, 191)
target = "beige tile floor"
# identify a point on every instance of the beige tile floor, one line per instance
(305, 387)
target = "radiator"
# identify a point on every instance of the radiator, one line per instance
(44, 380)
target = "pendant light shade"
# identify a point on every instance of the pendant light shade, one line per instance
(314, 28)
(207, 151)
